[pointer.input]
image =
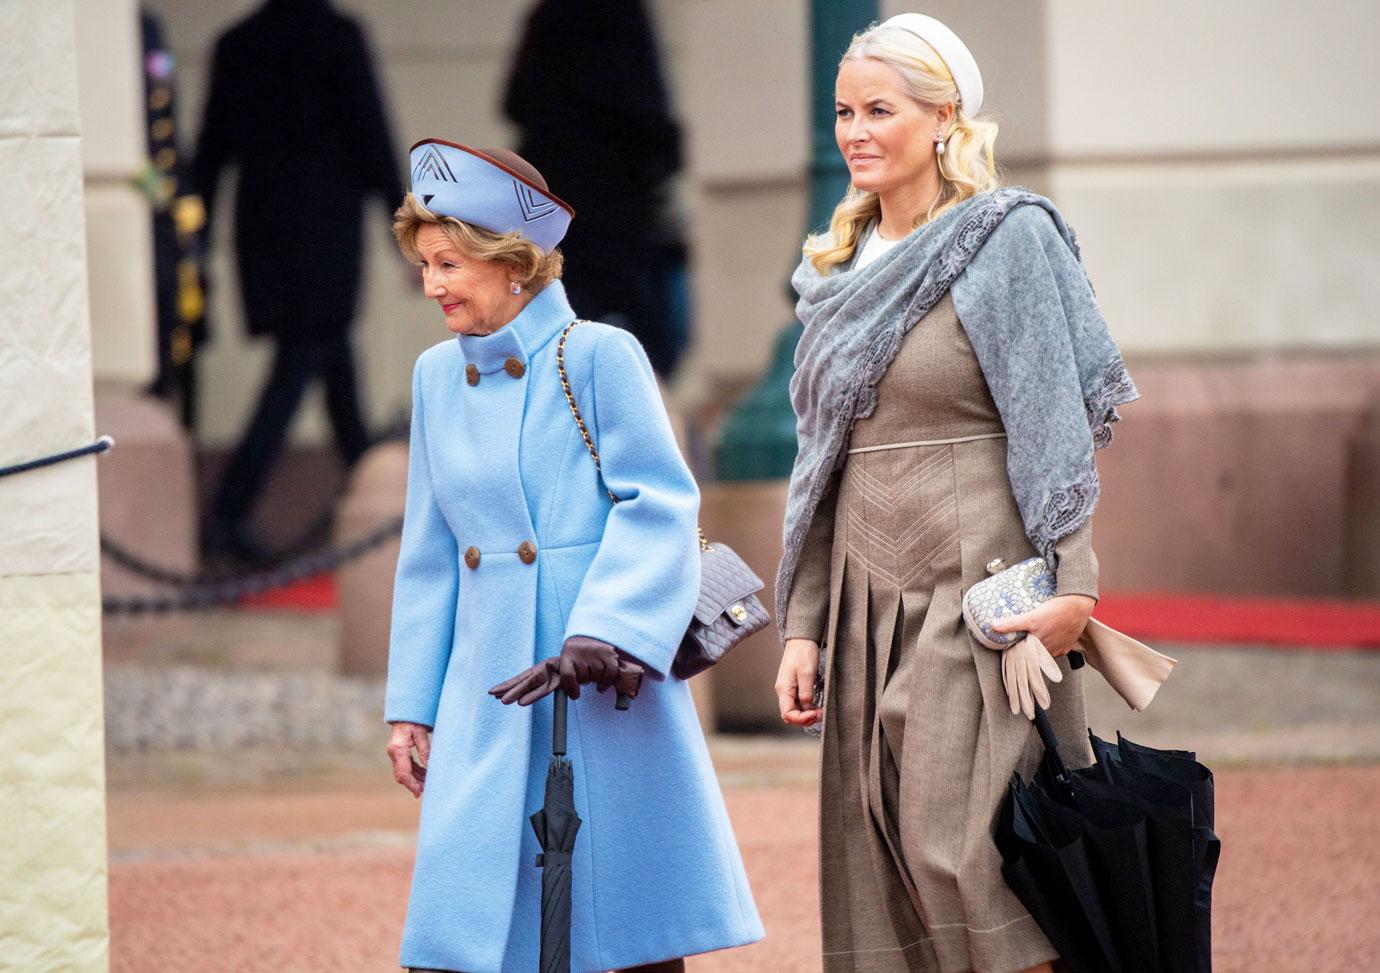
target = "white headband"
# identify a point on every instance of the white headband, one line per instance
(957, 57)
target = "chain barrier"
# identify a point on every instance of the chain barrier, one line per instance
(298, 548)
(195, 592)
(301, 545)
(229, 591)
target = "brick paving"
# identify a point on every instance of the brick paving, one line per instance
(272, 877)
(283, 850)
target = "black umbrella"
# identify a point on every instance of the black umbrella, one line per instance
(1181, 829)
(556, 825)
(1115, 862)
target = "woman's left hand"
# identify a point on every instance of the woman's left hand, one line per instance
(1057, 623)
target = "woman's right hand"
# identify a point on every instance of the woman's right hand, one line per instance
(795, 682)
(407, 771)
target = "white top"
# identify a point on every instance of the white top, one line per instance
(873, 247)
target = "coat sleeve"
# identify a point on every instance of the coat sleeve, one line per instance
(807, 606)
(425, 590)
(642, 585)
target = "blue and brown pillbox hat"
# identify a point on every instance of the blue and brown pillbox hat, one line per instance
(488, 188)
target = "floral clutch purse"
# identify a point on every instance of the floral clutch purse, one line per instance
(1135, 671)
(1013, 591)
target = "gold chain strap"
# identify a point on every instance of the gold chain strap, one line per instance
(579, 420)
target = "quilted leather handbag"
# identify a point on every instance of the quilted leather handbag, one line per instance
(728, 609)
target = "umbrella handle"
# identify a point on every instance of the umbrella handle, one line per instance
(559, 719)
(1052, 755)
(558, 723)
(1045, 729)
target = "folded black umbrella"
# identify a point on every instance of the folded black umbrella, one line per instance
(556, 825)
(1046, 863)
(1178, 794)
(1115, 862)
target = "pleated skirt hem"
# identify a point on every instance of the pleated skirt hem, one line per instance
(1006, 949)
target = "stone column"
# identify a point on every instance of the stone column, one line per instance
(53, 858)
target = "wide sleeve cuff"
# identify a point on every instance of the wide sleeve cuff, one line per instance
(421, 712)
(1077, 573)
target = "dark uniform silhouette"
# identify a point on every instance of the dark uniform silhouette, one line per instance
(587, 92)
(178, 230)
(294, 104)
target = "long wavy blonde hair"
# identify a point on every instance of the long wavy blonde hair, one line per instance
(966, 168)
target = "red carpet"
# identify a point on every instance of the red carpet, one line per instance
(1311, 623)
(316, 594)
(1308, 623)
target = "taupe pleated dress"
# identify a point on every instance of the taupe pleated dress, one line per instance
(919, 741)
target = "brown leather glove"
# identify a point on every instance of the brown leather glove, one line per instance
(582, 661)
(585, 660)
(529, 685)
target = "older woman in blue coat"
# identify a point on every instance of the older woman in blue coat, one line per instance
(514, 556)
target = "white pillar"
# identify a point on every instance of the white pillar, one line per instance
(52, 803)
(119, 233)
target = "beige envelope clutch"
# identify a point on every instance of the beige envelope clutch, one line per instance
(1132, 668)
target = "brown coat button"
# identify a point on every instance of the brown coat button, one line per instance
(472, 558)
(514, 368)
(527, 551)
(472, 374)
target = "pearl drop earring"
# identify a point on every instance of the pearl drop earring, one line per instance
(938, 143)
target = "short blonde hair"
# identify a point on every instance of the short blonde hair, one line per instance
(966, 168)
(529, 265)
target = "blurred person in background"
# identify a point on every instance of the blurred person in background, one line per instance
(295, 105)
(519, 574)
(179, 222)
(588, 96)
(954, 379)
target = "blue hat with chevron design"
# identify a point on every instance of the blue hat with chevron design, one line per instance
(495, 189)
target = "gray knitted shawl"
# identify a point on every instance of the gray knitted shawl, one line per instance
(1025, 302)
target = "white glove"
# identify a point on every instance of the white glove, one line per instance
(1024, 668)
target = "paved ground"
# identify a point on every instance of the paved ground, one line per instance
(268, 878)
(286, 849)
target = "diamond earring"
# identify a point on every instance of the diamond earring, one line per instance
(516, 288)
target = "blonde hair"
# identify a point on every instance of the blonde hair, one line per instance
(966, 168)
(529, 265)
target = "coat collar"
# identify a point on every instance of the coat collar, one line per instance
(521, 338)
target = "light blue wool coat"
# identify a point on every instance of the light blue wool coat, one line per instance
(657, 873)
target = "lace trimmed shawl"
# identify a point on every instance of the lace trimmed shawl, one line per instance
(1026, 304)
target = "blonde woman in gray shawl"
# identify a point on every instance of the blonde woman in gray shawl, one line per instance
(952, 384)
